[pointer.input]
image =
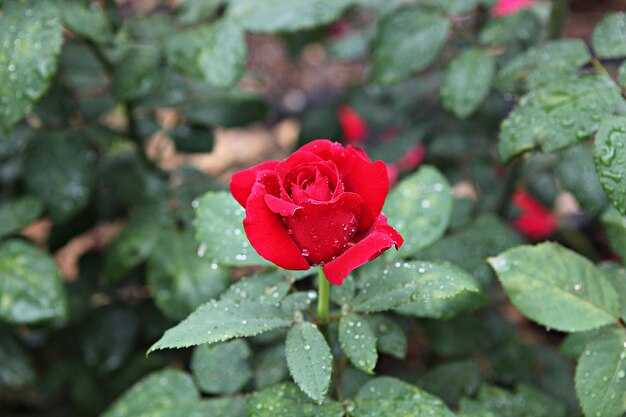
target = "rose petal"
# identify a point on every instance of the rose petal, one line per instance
(278, 206)
(267, 233)
(359, 175)
(242, 182)
(371, 244)
(324, 230)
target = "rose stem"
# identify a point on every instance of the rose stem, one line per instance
(322, 296)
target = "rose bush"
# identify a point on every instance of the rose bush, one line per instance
(321, 206)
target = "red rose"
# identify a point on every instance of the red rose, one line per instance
(535, 222)
(354, 127)
(321, 206)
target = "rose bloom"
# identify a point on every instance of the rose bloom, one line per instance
(321, 206)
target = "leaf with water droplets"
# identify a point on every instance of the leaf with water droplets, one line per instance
(419, 208)
(609, 36)
(467, 81)
(265, 288)
(556, 287)
(542, 63)
(30, 287)
(385, 287)
(452, 380)
(523, 27)
(179, 279)
(218, 321)
(621, 74)
(220, 407)
(390, 397)
(609, 154)
(18, 213)
(497, 402)
(221, 368)
(60, 172)
(309, 359)
(390, 335)
(215, 53)
(616, 274)
(615, 228)
(286, 400)
(358, 342)
(167, 393)
(601, 375)
(408, 40)
(219, 229)
(29, 51)
(134, 75)
(560, 114)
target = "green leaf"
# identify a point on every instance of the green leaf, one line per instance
(134, 75)
(453, 6)
(219, 230)
(390, 336)
(358, 342)
(270, 366)
(609, 37)
(167, 393)
(344, 293)
(452, 380)
(31, 43)
(609, 154)
(16, 368)
(523, 27)
(467, 81)
(215, 53)
(574, 344)
(134, 244)
(85, 18)
(576, 170)
(486, 236)
(221, 407)
(391, 286)
(30, 287)
(286, 400)
(621, 74)
(420, 208)
(195, 11)
(18, 213)
(104, 344)
(390, 397)
(616, 275)
(615, 227)
(526, 401)
(265, 288)
(601, 375)
(180, 280)
(558, 115)
(221, 368)
(219, 321)
(309, 360)
(60, 172)
(280, 16)
(542, 63)
(408, 41)
(556, 287)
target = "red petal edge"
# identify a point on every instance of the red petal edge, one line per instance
(268, 235)
(374, 242)
(242, 182)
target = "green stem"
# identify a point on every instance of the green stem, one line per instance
(557, 18)
(323, 296)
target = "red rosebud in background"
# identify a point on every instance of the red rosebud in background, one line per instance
(354, 128)
(321, 206)
(506, 7)
(536, 221)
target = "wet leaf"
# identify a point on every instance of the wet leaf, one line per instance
(309, 360)
(195, 11)
(219, 229)
(220, 321)
(215, 53)
(270, 366)
(390, 397)
(616, 274)
(609, 154)
(452, 380)
(408, 41)
(31, 43)
(221, 368)
(16, 368)
(85, 18)
(609, 36)
(419, 208)
(18, 213)
(30, 287)
(601, 375)
(134, 75)
(265, 288)
(467, 81)
(556, 287)
(523, 27)
(390, 336)
(286, 400)
(564, 112)
(358, 342)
